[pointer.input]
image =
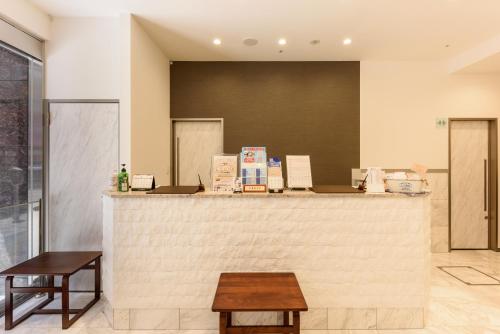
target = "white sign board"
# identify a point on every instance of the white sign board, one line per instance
(298, 169)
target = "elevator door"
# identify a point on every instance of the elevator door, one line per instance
(195, 143)
(469, 184)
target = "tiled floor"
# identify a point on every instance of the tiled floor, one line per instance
(455, 308)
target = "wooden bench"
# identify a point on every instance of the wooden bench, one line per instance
(51, 264)
(259, 292)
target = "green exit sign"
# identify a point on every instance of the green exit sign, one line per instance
(441, 123)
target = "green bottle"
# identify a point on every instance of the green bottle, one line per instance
(123, 180)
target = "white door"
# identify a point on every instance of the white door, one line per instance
(468, 187)
(195, 142)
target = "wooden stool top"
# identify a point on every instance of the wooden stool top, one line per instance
(246, 292)
(53, 263)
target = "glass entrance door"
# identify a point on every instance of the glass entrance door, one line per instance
(21, 160)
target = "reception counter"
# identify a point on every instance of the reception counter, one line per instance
(362, 260)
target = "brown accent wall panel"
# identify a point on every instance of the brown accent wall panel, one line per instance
(309, 108)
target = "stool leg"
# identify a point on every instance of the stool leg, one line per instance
(296, 322)
(65, 302)
(286, 318)
(9, 303)
(229, 319)
(97, 279)
(222, 323)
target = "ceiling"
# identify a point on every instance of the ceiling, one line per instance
(379, 29)
(487, 65)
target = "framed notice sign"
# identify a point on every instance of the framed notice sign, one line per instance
(224, 172)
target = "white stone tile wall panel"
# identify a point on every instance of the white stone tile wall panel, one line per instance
(347, 252)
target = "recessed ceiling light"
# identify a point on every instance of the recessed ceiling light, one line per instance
(347, 41)
(217, 41)
(282, 41)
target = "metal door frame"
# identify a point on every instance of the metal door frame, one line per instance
(173, 161)
(492, 182)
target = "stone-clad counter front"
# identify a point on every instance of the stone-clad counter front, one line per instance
(362, 261)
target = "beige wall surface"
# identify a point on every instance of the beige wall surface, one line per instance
(113, 58)
(26, 16)
(150, 106)
(125, 89)
(82, 59)
(400, 102)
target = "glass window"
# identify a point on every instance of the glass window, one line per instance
(21, 156)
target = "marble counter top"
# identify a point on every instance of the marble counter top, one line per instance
(286, 193)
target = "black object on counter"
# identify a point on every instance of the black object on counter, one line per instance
(189, 190)
(362, 185)
(325, 189)
(201, 186)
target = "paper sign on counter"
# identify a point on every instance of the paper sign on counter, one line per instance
(298, 169)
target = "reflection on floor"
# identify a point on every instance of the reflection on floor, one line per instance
(455, 307)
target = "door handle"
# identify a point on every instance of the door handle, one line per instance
(177, 157)
(485, 184)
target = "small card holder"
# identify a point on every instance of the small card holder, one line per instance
(143, 182)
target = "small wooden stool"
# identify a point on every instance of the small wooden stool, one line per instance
(259, 292)
(51, 264)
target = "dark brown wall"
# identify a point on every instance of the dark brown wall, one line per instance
(309, 108)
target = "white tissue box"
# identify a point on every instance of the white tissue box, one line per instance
(405, 186)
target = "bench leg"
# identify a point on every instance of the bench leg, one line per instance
(50, 284)
(97, 278)
(9, 303)
(296, 322)
(286, 318)
(65, 302)
(65, 310)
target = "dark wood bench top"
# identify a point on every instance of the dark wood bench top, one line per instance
(246, 292)
(53, 263)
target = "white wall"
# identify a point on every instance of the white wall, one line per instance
(125, 89)
(114, 58)
(82, 59)
(26, 16)
(400, 102)
(109, 58)
(150, 106)
(144, 103)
